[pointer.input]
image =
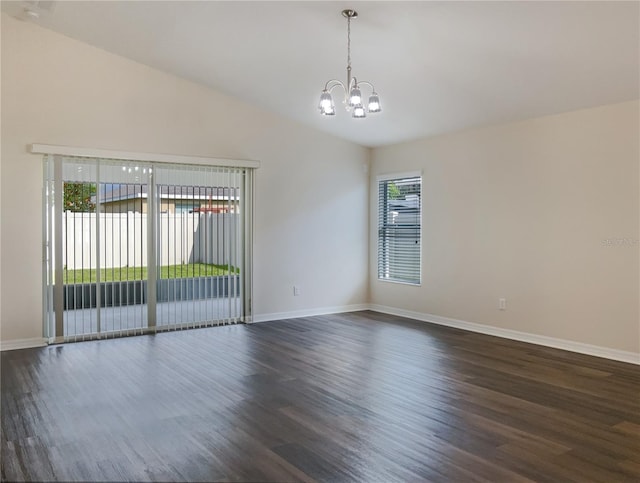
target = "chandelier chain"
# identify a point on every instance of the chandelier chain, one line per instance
(349, 42)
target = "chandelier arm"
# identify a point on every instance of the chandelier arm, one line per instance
(336, 83)
(367, 83)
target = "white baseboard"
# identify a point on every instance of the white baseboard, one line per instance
(294, 314)
(9, 345)
(568, 345)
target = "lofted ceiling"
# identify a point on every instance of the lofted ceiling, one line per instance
(438, 66)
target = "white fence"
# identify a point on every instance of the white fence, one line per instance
(182, 238)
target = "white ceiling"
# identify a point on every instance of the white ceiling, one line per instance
(438, 66)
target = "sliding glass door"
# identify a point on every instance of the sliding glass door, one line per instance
(199, 246)
(135, 247)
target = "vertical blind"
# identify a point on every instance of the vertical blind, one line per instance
(399, 228)
(133, 247)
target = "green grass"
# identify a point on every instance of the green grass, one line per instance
(140, 273)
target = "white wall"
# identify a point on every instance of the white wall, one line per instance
(544, 213)
(312, 189)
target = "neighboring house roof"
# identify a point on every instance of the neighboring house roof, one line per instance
(124, 192)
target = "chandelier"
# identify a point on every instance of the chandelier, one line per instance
(352, 92)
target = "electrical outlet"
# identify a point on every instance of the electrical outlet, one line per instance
(502, 304)
(296, 290)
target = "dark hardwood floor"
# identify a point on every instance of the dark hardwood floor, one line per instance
(351, 397)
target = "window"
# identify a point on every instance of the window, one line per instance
(399, 228)
(185, 206)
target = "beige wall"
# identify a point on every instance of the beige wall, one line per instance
(520, 211)
(525, 211)
(56, 90)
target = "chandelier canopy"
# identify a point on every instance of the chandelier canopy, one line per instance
(352, 92)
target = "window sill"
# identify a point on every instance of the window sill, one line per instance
(400, 282)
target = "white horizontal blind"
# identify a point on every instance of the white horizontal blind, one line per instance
(399, 229)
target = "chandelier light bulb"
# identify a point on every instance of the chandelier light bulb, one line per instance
(326, 104)
(374, 103)
(358, 112)
(355, 97)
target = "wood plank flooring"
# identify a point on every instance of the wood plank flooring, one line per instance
(350, 397)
